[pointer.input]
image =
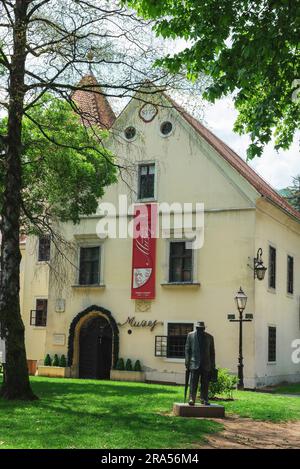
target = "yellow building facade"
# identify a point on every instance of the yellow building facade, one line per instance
(88, 314)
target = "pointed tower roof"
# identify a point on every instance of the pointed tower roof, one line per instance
(94, 107)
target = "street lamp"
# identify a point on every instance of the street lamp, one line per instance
(258, 267)
(241, 302)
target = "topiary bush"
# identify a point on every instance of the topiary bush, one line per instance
(63, 361)
(128, 366)
(224, 386)
(137, 366)
(120, 364)
(55, 360)
(47, 361)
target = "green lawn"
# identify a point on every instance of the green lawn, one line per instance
(288, 389)
(262, 406)
(105, 414)
(99, 414)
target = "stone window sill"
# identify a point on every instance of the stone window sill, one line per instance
(101, 286)
(181, 284)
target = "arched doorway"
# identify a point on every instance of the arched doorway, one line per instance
(93, 344)
(95, 349)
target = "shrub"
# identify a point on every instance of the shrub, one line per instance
(137, 366)
(120, 364)
(47, 361)
(55, 360)
(63, 361)
(224, 386)
(128, 366)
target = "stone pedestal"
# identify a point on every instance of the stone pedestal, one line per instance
(206, 411)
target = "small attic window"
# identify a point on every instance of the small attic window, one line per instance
(166, 128)
(130, 133)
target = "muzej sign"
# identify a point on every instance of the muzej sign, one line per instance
(144, 252)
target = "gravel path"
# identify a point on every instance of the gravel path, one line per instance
(244, 433)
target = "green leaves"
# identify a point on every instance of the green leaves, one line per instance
(65, 166)
(249, 48)
(293, 193)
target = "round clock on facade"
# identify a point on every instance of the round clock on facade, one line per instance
(148, 112)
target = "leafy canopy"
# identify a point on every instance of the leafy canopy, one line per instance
(246, 47)
(65, 167)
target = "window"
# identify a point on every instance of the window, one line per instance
(89, 269)
(181, 263)
(44, 248)
(173, 345)
(130, 133)
(290, 274)
(177, 334)
(166, 128)
(272, 267)
(38, 316)
(146, 181)
(272, 344)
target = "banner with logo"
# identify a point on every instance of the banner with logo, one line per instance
(144, 252)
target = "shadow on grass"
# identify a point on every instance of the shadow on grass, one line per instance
(49, 385)
(99, 414)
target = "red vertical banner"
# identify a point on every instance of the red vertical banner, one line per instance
(144, 252)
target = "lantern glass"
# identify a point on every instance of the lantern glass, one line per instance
(260, 271)
(241, 300)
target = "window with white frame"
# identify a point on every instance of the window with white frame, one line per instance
(44, 248)
(146, 181)
(38, 316)
(272, 267)
(271, 344)
(290, 275)
(180, 262)
(173, 344)
(89, 265)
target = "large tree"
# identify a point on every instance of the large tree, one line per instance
(248, 48)
(64, 170)
(50, 169)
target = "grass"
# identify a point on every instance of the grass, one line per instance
(99, 414)
(288, 389)
(106, 414)
(261, 406)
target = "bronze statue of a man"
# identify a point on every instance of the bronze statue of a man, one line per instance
(200, 361)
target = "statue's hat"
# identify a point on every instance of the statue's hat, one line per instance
(200, 324)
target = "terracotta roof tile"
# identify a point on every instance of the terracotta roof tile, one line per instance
(94, 106)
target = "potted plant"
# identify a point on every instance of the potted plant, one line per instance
(127, 372)
(56, 368)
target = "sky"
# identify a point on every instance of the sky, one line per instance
(277, 168)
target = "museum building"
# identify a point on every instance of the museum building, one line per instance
(111, 302)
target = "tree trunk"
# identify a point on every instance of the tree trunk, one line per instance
(16, 385)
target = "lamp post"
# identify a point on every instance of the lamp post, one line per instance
(241, 301)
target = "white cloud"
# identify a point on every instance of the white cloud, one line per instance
(277, 168)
